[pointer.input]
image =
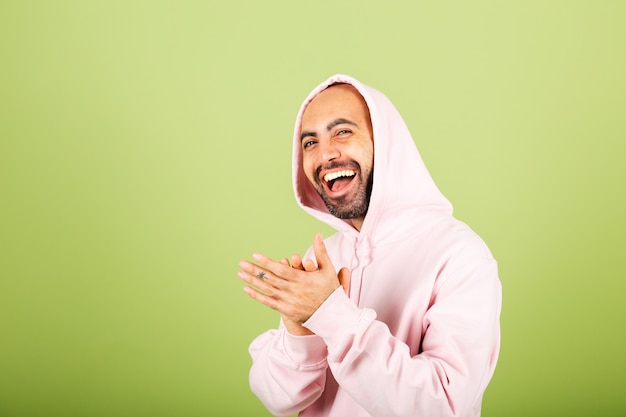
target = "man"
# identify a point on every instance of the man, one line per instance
(398, 313)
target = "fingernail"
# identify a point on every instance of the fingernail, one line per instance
(257, 256)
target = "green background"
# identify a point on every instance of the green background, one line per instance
(145, 150)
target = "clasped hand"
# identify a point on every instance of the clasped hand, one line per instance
(296, 290)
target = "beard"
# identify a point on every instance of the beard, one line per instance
(353, 205)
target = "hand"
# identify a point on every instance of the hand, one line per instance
(292, 326)
(296, 292)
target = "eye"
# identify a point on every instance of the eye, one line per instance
(343, 132)
(308, 143)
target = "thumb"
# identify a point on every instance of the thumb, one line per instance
(323, 261)
(344, 278)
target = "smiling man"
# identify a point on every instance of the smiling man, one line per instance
(338, 151)
(396, 314)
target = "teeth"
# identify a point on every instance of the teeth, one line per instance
(335, 175)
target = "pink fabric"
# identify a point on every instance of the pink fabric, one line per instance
(418, 332)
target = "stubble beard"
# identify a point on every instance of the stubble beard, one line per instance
(351, 206)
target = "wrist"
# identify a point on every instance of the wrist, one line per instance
(295, 328)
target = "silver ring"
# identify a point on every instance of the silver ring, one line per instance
(261, 275)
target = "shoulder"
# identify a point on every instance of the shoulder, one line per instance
(454, 237)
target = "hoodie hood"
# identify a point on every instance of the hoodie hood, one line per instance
(403, 192)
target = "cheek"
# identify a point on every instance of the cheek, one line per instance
(370, 156)
(308, 168)
(365, 157)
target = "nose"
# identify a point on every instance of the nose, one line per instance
(329, 151)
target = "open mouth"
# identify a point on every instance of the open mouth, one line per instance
(339, 180)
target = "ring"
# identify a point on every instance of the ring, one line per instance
(261, 275)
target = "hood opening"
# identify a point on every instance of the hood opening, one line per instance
(402, 186)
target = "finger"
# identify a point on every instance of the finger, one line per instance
(309, 266)
(252, 269)
(258, 277)
(278, 269)
(284, 261)
(323, 261)
(344, 279)
(275, 304)
(296, 261)
(253, 276)
(262, 298)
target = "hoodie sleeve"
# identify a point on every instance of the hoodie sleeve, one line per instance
(458, 354)
(288, 372)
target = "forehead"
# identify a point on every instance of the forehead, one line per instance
(342, 100)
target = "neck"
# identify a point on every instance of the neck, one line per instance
(357, 223)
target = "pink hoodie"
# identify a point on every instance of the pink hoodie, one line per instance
(418, 332)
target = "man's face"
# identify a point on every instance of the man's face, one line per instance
(338, 150)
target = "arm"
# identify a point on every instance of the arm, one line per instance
(457, 358)
(289, 364)
(288, 372)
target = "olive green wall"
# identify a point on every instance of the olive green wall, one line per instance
(145, 149)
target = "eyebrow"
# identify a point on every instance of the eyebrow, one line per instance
(336, 122)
